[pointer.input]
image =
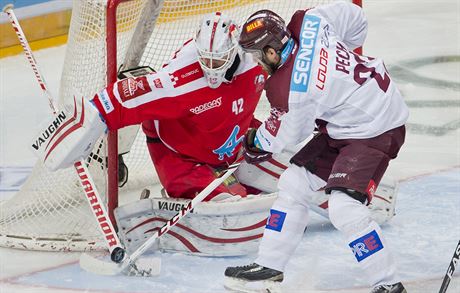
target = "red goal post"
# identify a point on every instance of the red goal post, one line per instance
(49, 212)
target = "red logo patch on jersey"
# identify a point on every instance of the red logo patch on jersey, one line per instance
(130, 88)
(157, 83)
(371, 189)
(259, 81)
(272, 124)
(186, 74)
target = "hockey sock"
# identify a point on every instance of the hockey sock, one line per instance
(364, 238)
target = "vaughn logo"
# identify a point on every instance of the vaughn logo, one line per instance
(172, 206)
(57, 129)
(206, 106)
(51, 129)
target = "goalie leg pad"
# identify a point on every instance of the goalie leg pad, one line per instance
(383, 203)
(225, 228)
(264, 176)
(69, 136)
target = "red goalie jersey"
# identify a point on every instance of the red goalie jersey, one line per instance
(203, 124)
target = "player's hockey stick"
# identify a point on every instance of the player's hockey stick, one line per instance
(117, 253)
(97, 266)
(450, 270)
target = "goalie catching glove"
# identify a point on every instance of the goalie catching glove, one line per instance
(253, 154)
(69, 136)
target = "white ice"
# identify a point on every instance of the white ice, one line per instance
(422, 235)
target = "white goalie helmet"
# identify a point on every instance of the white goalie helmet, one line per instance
(217, 45)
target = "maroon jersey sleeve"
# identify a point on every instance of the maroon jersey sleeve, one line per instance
(277, 86)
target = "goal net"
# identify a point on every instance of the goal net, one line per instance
(50, 211)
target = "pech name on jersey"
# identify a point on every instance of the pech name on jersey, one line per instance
(305, 55)
(342, 59)
(52, 127)
(207, 106)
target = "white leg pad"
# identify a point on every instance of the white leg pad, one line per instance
(264, 176)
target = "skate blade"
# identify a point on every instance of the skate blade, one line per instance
(237, 285)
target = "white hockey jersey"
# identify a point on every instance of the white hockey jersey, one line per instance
(322, 79)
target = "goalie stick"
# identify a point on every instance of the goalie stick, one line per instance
(450, 270)
(97, 266)
(117, 253)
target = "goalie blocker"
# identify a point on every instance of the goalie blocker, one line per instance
(69, 135)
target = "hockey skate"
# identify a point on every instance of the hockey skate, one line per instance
(395, 288)
(253, 278)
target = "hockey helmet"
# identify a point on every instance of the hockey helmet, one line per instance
(217, 45)
(263, 29)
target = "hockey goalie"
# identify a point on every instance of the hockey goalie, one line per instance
(194, 112)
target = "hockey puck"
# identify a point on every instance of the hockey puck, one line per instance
(118, 254)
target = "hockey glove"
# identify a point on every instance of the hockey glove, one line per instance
(68, 136)
(252, 154)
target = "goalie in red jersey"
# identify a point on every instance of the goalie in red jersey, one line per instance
(194, 111)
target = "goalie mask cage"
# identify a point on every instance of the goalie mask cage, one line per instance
(50, 211)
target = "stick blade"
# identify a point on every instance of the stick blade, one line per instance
(99, 267)
(147, 267)
(152, 265)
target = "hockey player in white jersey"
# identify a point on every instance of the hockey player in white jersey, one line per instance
(318, 81)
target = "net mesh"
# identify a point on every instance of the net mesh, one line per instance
(50, 211)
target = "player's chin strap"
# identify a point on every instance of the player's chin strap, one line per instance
(129, 265)
(231, 71)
